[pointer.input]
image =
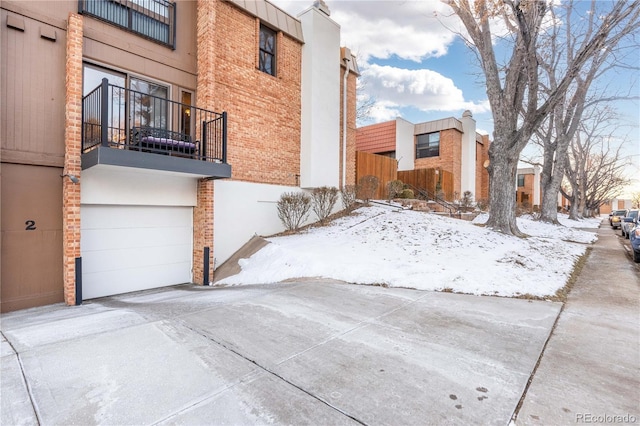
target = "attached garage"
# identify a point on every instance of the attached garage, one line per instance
(128, 248)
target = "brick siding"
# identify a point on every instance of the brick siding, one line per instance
(264, 112)
(73, 146)
(450, 156)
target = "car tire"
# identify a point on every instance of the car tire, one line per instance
(636, 257)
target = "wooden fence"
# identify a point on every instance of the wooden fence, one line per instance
(384, 168)
(429, 179)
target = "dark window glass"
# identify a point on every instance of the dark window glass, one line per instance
(153, 19)
(149, 107)
(428, 145)
(520, 180)
(267, 62)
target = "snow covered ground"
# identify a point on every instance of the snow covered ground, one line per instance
(404, 248)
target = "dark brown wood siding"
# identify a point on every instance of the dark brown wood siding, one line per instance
(31, 200)
(33, 92)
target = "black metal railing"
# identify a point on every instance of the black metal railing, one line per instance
(121, 118)
(152, 19)
(428, 196)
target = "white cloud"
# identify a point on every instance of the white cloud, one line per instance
(423, 89)
(410, 30)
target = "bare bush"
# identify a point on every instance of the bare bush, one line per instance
(349, 195)
(368, 186)
(293, 209)
(394, 188)
(466, 202)
(324, 199)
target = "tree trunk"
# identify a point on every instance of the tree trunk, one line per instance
(551, 179)
(503, 170)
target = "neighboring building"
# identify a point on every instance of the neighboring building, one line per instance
(211, 110)
(528, 191)
(450, 144)
(616, 204)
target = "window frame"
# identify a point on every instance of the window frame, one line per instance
(126, 110)
(521, 180)
(431, 147)
(131, 15)
(263, 52)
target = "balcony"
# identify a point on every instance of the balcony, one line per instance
(124, 127)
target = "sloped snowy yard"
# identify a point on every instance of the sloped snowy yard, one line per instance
(383, 246)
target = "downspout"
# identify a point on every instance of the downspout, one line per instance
(344, 121)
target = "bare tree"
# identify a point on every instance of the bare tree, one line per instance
(562, 43)
(518, 105)
(595, 169)
(364, 101)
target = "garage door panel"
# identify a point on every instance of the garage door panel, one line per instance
(115, 239)
(110, 282)
(115, 217)
(130, 248)
(109, 260)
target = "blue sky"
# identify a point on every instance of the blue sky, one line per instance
(415, 66)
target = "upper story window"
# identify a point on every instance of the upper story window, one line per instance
(428, 145)
(267, 55)
(152, 19)
(520, 181)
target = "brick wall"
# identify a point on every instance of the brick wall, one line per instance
(482, 175)
(450, 156)
(73, 146)
(264, 112)
(351, 127)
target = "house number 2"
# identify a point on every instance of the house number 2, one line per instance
(31, 225)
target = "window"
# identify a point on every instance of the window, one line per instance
(267, 55)
(152, 19)
(428, 145)
(520, 181)
(146, 104)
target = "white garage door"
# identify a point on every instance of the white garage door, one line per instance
(130, 248)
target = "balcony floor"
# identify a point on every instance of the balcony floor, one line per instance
(142, 160)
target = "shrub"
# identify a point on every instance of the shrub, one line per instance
(349, 195)
(293, 209)
(324, 199)
(368, 186)
(466, 202)
(407, 193)
(394, 187)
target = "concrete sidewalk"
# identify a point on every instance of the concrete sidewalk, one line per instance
(590, 369)
(299, 353)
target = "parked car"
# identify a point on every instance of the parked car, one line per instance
(616, 218)
(629, 222)
(634, 239)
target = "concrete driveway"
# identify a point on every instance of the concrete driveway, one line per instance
(311, 352)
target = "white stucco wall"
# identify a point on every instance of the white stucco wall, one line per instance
(320, 126)
(245, 209)
(468, 160)
(405, 147)
(137, 187)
